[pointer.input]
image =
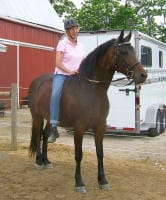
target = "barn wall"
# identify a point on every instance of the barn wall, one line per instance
(8, 71)
(8, 66)
(32, 61)
(30, 67)
(24, 33)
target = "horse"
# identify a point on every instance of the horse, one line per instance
(84, 102)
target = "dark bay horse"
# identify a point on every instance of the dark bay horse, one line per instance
(84, 101)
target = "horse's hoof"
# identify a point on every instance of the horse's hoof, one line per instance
(105, 187)
(81, 189)
(49, 166)
(39, 167)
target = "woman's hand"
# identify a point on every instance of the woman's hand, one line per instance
(73, 72)
(59, 64)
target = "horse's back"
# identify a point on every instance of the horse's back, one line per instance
(36, 83)
(81, 101)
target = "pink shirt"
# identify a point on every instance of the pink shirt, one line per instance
(72, 55)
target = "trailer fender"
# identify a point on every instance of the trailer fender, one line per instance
(151, 114)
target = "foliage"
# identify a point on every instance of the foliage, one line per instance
(97, 15)
(64, 8)
(125, 18)
(107, 15)
(148, 10)
(161, 34)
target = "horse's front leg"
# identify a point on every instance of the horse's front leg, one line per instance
(79, 184)
(99, 134)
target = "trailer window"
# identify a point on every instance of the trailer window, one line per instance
(146, 56)
(160, 59)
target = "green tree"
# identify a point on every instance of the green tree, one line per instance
(125, 18)
(97, 15)
(63, 8)
(148, 10)
(161, 34)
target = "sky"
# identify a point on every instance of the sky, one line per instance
(77, 3)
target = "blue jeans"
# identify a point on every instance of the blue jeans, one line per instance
(57, 86)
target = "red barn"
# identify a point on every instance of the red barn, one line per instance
(30, 30)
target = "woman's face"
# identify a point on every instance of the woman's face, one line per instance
(73, 32)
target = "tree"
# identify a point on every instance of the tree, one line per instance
(63, 8)
(148, 10)
(97, 15)
(125, 18)
(106, 15)
(161, 34)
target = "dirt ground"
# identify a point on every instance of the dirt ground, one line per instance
(135, 167)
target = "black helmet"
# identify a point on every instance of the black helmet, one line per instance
(70, 23)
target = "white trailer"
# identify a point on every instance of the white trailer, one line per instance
(136, 108)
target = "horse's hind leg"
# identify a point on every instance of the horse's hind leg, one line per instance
(38, 129)
(99, 133)
(46, 162)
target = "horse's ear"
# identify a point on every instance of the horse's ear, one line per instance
(120, 38)
(128, 37)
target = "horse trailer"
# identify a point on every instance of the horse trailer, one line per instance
(134, 108)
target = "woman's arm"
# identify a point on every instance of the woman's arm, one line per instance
(60, 65)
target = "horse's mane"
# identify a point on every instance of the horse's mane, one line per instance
(88, 65)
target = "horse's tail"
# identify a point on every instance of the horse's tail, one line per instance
(33, 142)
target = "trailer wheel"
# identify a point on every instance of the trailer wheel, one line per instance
(164, 119)
(159, 125)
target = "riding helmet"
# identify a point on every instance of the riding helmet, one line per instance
(70, 23)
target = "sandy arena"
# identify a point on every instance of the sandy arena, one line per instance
(135, 167)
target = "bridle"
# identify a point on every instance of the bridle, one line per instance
(130, 73)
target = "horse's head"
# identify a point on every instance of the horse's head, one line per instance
(113, 55)
(125, 60)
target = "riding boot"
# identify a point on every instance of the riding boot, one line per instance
(53, 134)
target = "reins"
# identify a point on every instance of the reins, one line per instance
(116, 80)
(100, 81)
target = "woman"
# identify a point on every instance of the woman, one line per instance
(69, 55)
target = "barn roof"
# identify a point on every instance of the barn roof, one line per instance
(39, 12)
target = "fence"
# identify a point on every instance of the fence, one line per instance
(13, 95)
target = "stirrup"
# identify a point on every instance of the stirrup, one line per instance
(53, 135)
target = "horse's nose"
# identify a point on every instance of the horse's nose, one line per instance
(144, 76)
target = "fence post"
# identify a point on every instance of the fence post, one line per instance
(14, 117)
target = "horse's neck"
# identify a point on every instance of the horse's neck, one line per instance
(104, 78)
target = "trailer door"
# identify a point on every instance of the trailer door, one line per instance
(121, 115)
